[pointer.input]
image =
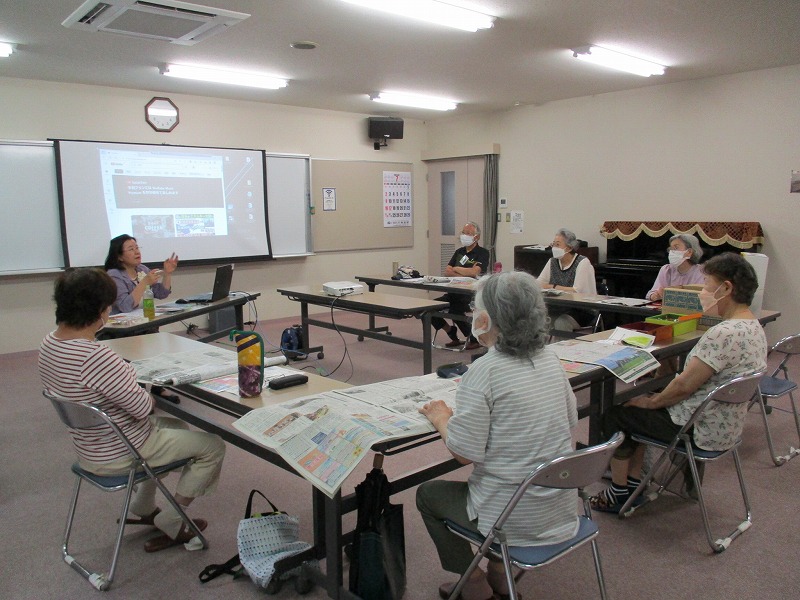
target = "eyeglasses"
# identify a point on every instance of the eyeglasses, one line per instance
(472, 306)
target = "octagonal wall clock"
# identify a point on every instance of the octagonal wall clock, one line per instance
(161, 114)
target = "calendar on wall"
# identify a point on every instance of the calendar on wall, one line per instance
(397, 199)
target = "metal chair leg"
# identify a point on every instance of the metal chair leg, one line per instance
(599, 570)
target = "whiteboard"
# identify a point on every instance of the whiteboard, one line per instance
(30, 232)
(288, 203)
(30, 227)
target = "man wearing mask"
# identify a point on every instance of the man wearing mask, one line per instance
(470, 260)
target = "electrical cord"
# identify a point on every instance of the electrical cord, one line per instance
(346, 351)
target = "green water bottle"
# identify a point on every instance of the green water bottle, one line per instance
(148, 304)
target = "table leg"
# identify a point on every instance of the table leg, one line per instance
(427, 360)
(333, 544)
(239, 312)
(601, 399)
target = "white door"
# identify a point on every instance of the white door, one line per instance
(455, 196)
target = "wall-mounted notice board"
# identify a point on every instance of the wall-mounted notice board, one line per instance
(356, 220)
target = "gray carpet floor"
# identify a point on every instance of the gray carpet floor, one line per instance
(659, 553)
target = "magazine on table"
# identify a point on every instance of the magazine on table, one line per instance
(625, 362)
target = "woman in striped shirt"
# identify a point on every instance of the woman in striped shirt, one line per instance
(74, 366)
(514, 409)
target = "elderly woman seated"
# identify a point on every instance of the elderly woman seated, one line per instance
(76, 367)
(514, 409)
(683, 267)
(731, 348)
(569, 272)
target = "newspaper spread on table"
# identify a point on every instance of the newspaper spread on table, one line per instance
(186, 367)
(624, 362)
(324, 436)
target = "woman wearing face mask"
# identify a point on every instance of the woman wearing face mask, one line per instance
(514, 408)
(569, 272)
(683, 267)
(731, 348)
(76, 367)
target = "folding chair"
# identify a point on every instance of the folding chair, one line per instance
(465, 317)
(79, 415)
(571, 470)
(736, 391)
(772, 387)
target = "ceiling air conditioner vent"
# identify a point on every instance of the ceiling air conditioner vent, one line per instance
(95, 12)
(170, 20)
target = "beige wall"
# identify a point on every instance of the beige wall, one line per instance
(713, 149)
(717, 149)
(34, 110)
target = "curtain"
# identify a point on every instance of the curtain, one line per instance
(490, 184)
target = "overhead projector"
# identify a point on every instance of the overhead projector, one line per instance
(342, 288)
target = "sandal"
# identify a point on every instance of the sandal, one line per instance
(143, 520)
(163, 541)
(602, 502)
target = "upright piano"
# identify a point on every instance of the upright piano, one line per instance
(636, 250)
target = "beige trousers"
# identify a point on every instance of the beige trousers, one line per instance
(169, 441)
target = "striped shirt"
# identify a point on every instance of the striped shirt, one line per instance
(512, 414)
(87, 371)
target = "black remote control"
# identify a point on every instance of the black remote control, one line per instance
(287, 381)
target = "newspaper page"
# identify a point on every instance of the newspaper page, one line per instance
(626, 363)
(186, 367)
(230, 383)
(325, 436)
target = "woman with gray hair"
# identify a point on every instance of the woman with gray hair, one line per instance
(569, 272)
(514, 408)
(683, 267)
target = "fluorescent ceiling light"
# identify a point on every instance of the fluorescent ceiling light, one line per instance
(222, 76)
(403, 99)
(6, 49)
(618, 60)
(432, 11)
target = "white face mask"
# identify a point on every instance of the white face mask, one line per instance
(708, 301)
(558, 252)
(477, 332)
(467, 240)
(676, 257)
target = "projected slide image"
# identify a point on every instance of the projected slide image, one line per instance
(194, 225)
(152, 226)
(176, 192)
(201, 203)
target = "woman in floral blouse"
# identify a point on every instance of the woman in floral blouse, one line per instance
(731, 348)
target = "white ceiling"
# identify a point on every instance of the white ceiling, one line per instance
(524, 59)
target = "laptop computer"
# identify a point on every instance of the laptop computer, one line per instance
(222, 287)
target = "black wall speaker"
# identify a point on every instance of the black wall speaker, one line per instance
(385, 128)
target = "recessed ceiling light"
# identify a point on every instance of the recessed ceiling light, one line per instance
(432, 11)
(6, 49)
(303, 45)
(245, 78)
(618, 60)
(414, 100)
